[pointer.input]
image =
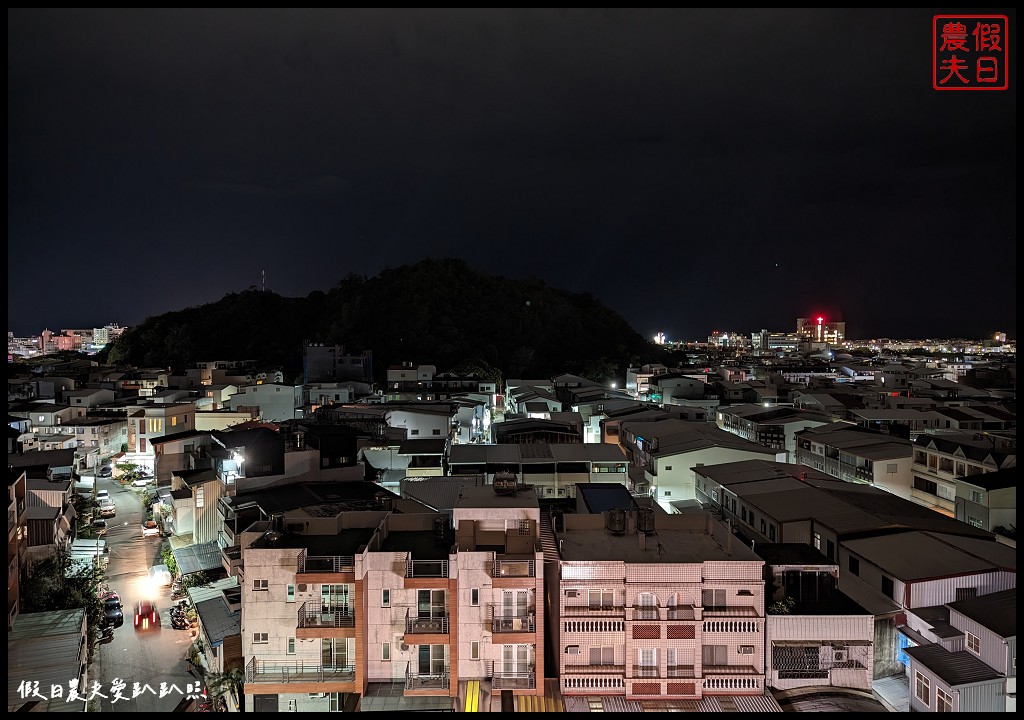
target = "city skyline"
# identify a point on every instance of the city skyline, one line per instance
(693, 170)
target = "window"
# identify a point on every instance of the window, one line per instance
(474, 597)
(291, 593)
(572, 649)
(668, 467)
(966, 593)
(764, 527)
(922, 689)
(291, 646)
(854, 565)
(602, 599)
(771, 533)
(745, 649)
(436, 431)
(976, 497)
(943, 701)
(888, 588)
(260, 638)
(385, 652)
(385, 598)
(474, 650)
(974, 643)
(260, 585)
(200, 497)
(415, 431)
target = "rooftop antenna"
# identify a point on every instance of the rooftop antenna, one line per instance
(263, 280)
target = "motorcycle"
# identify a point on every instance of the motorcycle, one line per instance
(106, 635)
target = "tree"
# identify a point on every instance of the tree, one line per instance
(57, 583)
(230, 681)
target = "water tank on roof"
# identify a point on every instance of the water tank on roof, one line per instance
(615, 521)
(505, 483)
(645, 521)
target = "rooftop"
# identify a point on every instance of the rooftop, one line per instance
(953, 668)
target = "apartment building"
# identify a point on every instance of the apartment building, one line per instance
(644, 605)
(857, 455)
(773, 427)
(17, 538)
(938, 460)
(668, 451)
(554, 470)
(988, 500)
(346, 587)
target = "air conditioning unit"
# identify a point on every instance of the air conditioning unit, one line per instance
(405, 647)
(840, 656)
(302, 587)
(572, 593)
(318, 695)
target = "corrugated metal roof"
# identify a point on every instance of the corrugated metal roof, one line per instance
(193, 558)
(45, 647)
(953, 668)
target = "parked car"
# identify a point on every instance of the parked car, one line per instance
(141, 482)
(108, 510)
(113, 615)
(99, 523)
(103, 496)
(150, 529)
(105, 471)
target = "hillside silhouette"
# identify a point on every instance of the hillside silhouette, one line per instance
(437, 311)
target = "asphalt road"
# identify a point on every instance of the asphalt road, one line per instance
(147, 657)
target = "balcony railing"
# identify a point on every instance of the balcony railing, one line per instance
(314, 614)
(646, 613)
(426, 568)
(512, 678)
(325, 563)
(588, 609)
(426, 625)
(514, 568)
(513, 623)
(275, 671)
(681, 671)
(415, 680)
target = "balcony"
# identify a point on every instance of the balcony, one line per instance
(274, 671)
(416, 680)
(513, 623)
(647, 613)
(426, 568)
(325, 563)
(314, 615)
(681, 671)
(421, 625)
(507, 568)
(605, 610)
(514, 677)
(231, 558)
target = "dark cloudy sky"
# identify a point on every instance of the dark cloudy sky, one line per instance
(695, 170)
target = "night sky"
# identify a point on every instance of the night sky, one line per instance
(695, 170)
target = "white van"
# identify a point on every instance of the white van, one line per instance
(160, 574)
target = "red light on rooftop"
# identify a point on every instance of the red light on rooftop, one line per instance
(820, 319)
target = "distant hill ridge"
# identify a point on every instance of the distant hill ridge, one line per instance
(438, 311)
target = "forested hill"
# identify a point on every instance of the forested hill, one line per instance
(439, 312)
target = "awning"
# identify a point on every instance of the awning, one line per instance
(193, 558)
